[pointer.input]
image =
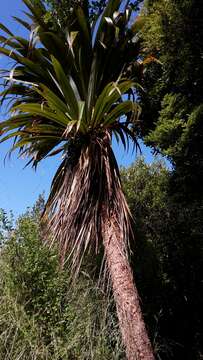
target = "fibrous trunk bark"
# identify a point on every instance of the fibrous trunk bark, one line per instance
(133, 330)
(89, 210)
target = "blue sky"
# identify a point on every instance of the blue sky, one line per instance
(19, 188)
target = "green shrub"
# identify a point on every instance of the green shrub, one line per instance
(44, 316)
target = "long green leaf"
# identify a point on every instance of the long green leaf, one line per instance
(67, 89)
(5, 29)
(9, 53)
(82, 20)
(118, 111)
(111, 7)
(38, 11)
(109, 96)
(16, 121)
(22, 22)
(43, 111)
(53, 100)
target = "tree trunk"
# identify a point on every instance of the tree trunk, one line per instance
(134, 334)
(89, 207)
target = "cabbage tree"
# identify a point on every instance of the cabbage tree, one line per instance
(69, 91)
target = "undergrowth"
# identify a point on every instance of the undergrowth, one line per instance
(44, 316)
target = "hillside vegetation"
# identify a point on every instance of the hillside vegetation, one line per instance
(43, 316)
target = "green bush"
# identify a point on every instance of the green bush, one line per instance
(44, 316)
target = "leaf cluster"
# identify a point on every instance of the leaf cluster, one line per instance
(65, 85)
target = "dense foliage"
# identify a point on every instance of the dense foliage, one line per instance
(172, 124)
(173, 102)
(172, 114)
(167, 260)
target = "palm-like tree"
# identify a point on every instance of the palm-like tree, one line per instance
(70, 91)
